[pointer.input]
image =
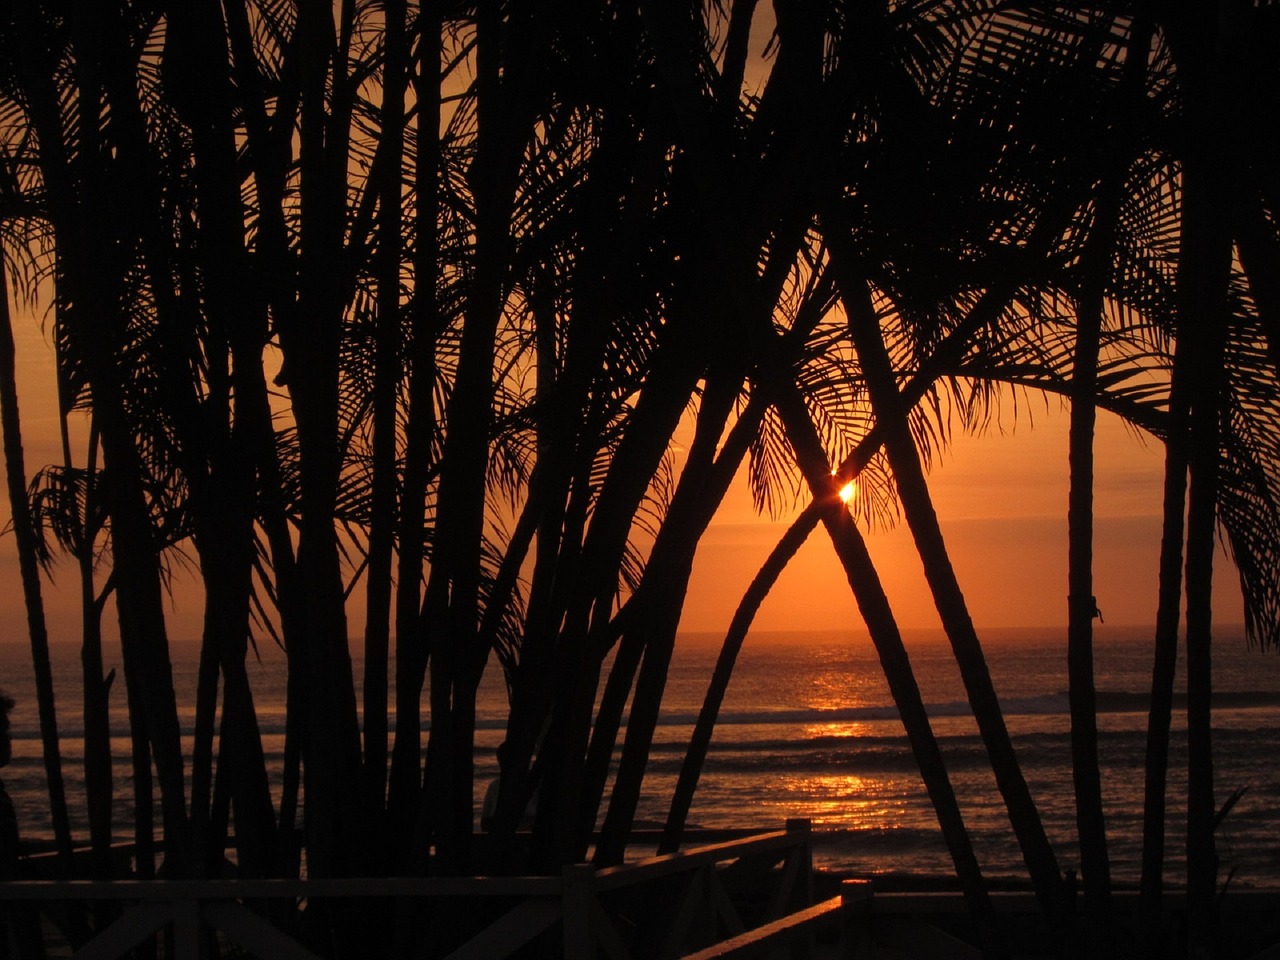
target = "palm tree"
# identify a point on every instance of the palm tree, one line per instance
(874, 606)
(218, 460)
(405, 777)
(1095, 269)
(28, 552)
(383, 521)
(1203, 281)
(81, 182)
(497, 301)
(768, 237)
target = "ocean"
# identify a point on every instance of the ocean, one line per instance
(807, 729)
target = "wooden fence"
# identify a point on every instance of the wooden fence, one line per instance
(661, 907)
(735, 900)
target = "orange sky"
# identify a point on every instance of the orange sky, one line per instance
(1002, 502)
(1001, 499)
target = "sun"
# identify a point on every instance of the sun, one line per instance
(849, 491)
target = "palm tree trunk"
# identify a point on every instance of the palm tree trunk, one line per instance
(206, 714)
(382, 523)
(1164, 665)
(654, 612)
(144, 839)
(700, 740)
(945, 354)
(98, 779)
(1081, 607)
(1202, 856)
(98, 786)
(29, 568)
(503, 58)
(405, 779)
(331, 762)
(1203, 278)
(873, 604)
(1095, 269)
(890, 412)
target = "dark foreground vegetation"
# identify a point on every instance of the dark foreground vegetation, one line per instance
(427, 297)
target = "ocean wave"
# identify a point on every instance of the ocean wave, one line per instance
(1052, 704)
(1126, 701)
(772, 758)
(1049, 704)
(1055, 704)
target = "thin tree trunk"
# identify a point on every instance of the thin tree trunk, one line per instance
(876, 612)
(1095, 269)
(206, 715)
(382, 523)
(96, 720)
(1202, 858)
(455, 560)
(656, 613)
(700, 740)
(405, 779)
(144, 840)
(98, 778)
(982, 314)
(1164, 664)
(1202, 855)
(1081, 611)
(310, 339)
(29, 568)
(891, 414)
(1204, 271)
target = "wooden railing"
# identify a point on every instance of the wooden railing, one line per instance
(845, 918)
(708, 903)
(860, 923)
(662, 907)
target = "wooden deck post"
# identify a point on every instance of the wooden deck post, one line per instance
(579, 905)
(188, 932)
(802, 829)
(855, 911)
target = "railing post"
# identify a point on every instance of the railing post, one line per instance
(188, 937)
(855, 918)
(800, 869)
(802, 830)
(578, 900)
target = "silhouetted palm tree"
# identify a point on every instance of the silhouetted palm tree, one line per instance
(83, 184)
(24, 533)
(498, 299)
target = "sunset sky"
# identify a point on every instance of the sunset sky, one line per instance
(1002, 501)
(1001, 498)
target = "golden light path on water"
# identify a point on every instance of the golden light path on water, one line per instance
(838, 799)
(846, 799)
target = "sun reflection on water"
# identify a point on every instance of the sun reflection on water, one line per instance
(844, 800)
(838, 728)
